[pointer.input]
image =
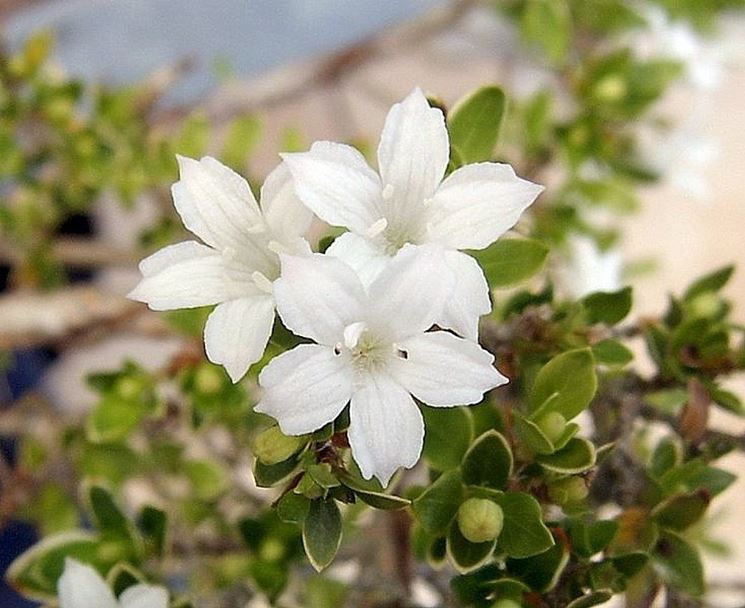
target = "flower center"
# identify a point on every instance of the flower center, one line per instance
(367, 350)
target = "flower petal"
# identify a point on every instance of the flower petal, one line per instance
(409, 294)
(478, 203)
(412, 155)
(443, 370)
(317, 296)
(360, 254)
(386, 430)
(305, 388)
(285, 214)
(215, 203)
(187, 275)
(337, 184)
(80, 586)
(469, 298)
(144, 596)
(236, 333)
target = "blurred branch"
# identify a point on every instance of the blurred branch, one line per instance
(301, 79)
(77, 252)
(8, 7)
(33, 319)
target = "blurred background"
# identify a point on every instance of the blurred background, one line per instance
(245, 79)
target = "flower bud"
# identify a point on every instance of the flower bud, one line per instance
(272, 445)
(552, 425)
(568, 491)
(208, 380)
(480, 520)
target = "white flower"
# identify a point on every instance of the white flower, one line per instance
(237, 263)
(80, 586)
(409, 202)
(373, 349)
(587, 269)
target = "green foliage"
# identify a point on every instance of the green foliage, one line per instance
(322, 532)
(510, 261)
(474, 123)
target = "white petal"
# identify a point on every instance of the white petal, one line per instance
(478, 203)
(214, 202)
(187, 275)
(443, 370)
(386, 430)
(236, 333)
(412, 156)
(80, 586)
(305, 388)
(360, 254)
(469, 298)
(409, 294)
(338, 185)
(283, 211)
(144, 596)
(317, 296)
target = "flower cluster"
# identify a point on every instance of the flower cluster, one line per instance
(392, 306)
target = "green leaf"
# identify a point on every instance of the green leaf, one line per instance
(712, 282)
(488, 462)
(541, 572)
(510, 261)
(293, 508)
(153, 523)
(571, 376)
(108, 517)
(727, 400)
(591, 538)
(208, 478)
(607, 307)
(577, 456)
(532, 436)
(113, 419)
(474, 123)
(35, 572)
(679, 564)
(682, 510)
(668, 400)
(523, 532)
(322, 532)
(612, 353)
(547, 24)
(465, 555)
(267, 475)
(449, 432)
(371, 492)
(436, 507)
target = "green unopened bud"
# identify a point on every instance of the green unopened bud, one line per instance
(612, 88)
(506, 603)
(480, 520)
(130, 388)
(552, 425)
(568, 491)
(706, 305)
(208, 380)
(273, 446)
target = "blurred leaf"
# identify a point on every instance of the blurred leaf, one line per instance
(679, 564)
(510, 261)
(607, 307)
